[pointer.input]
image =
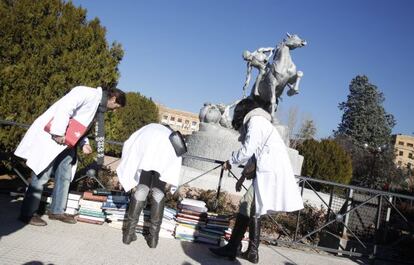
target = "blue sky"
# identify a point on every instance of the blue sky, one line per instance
(182, 53)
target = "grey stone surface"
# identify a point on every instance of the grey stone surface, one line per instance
(60, 243)
(211, 141)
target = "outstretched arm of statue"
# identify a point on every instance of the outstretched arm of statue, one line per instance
(268, 49)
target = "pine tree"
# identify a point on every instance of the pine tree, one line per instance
(366, 126)
(46, 48)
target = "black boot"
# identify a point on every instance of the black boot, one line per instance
(130, 224)
(230, 250)
(157, 213)
(252, 253)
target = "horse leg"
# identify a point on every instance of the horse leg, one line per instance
(295, 89)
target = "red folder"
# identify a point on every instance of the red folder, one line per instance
(74, 131)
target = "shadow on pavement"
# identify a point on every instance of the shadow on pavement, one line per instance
(9, 212)
(201, 254)
(35, 262)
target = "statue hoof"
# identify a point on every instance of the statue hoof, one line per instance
(292, 92)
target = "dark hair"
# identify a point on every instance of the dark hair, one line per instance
(119, 95)
(245, 106)
(240, 111)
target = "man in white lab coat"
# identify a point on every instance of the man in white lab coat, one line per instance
(47, 154)
(151, 159)
(274, 187)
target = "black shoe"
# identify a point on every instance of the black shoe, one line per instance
(252, 256)
(226, 252)
(34, 220)
(230, 250)
(66, 218)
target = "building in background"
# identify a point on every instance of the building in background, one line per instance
(404, 150)
(183, 121)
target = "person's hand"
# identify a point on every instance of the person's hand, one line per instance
(58, 139)
(87, 149)
(239, 184)
(226, 165)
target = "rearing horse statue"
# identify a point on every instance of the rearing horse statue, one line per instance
(280, 73)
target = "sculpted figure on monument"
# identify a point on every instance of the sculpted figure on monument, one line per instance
(257, 59)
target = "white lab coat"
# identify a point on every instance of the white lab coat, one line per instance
(37, 146)
(148, 149)
(275, 185)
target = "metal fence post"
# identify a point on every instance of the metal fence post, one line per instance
(298, 216)
(329, 204)
(348, 208)
(377, 226)
(219, 187)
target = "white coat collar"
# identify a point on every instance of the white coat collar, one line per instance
(257, 112)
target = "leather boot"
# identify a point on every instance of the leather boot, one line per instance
(156, 215)
(130, 224)
(230, 250)
(252, 252)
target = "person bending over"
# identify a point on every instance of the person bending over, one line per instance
(151, 160)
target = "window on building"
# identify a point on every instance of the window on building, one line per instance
(186, 124)
(179, 122)
(409, 165)
(399, 163)
(172, 120)
(401, 143)
(193, 124)
(164, 118)
(410, 145)
(410, 155)
(401, 153)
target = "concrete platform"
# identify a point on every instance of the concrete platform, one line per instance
(60, 243)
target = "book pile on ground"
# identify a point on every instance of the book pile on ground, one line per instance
(90, 210)
(71, 206)
(168, 223)
(191, 216)
(167, 226)
(115, 210)
(73, 203)
(214, 230)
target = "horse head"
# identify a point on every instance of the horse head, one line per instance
(294, 41)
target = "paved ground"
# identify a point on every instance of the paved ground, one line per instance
(60, 243)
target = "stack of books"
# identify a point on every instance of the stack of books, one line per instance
(191, 216)
(214, 230)
(115, 210)
(90, 210)
(168, 223)
(73, 203)
(167, 226)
